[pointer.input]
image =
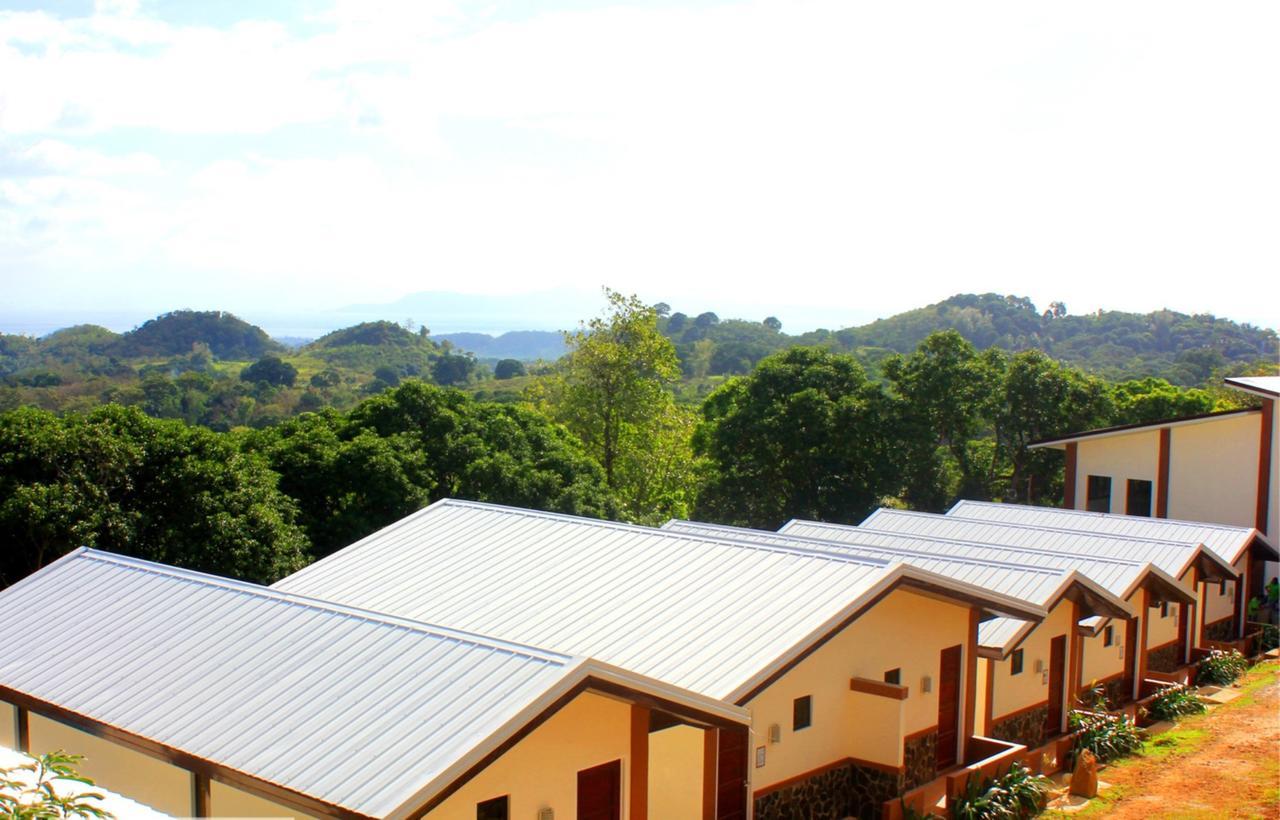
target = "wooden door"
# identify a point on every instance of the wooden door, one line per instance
(1057, 666)
(731, 775)
(948, 706)
(1130, 658)
(600, 792)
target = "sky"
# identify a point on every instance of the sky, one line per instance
(827, 162)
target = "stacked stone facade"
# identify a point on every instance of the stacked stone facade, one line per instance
(920, 760)
(1025, 727)
(1220, 630)
(1164, 658)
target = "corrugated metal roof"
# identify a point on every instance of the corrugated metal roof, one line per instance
(1173, 557)
(1261, 385)
(1035, 584)
(354, 708)
(1118, 577)
(1225, 541)
(711, 615)
(1039, 585)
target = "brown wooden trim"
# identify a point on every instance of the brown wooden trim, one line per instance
(1075, 662)
(1162, 482)
(990, 697)
(22, 729)
(1069, 476)
(1184, 632)
(1149, 425)
(915, 584)
(1107, 679)
(710, 755)
(1240, 613)
(638, 771)
(1264, 466)
(1140, 653)
(878, 688)
(970, 678)
(214, 771)
(200, 794)
(803, 776)
(1018, 713)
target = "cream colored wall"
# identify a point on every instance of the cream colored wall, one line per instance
(8, 725)
(228, 801)
(1273, 517)
(1161, 631)
(1217, 605)
(1213, 470)
(1136, 455)
(1100, 662)
(675, 772)
(119, 769)
(905, 630)
(542, 769)
(1013, 693)
(980, 702)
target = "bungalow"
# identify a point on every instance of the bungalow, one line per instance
(200, 696)
(1222, 468)
(802, 639)
(1244, 548)
(1192, 565)
(1018, 705)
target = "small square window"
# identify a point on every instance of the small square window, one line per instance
(1109, 636)
(1222, 588)
(1164, 609)
(1138, 498)
(1015, 663)
(1099, 494)
(893, 676)
(495, 809)
(802, 713)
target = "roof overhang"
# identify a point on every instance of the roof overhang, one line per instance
(1260, 548)
(1209, 566)
(1162, 589)
(1266, 386)
(1128, 429)
(1092, 599)
(588, 676)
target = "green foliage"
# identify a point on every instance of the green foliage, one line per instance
(1174, 702)
(452, 369)
(612, 391)
(1270, 637)
(806, 435)
(173, 334)
(38, 797)
(1146, 400)
(120, 481)
(1108, 736)
(1221, 668)
(270, 370)
(1016, 794)
(508, 369)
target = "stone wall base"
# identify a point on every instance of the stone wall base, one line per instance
(1026, 728)
(1164, 658)
(1220, 630)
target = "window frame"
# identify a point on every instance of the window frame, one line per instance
(1015, 663)
(1097, 502)
(1128, 496)
(503, 801)
(801, 710)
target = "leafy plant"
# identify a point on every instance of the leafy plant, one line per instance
(1016, 794)
(36, 798)
(1270, 637)
(1107, 736)
(1174, 702)
(1222, 668)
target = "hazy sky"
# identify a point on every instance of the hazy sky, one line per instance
(855, 157)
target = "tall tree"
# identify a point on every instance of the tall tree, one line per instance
(613, 389)
(805, 435)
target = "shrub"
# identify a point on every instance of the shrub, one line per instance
(1016, 794)
(1221, 668)
(1270, 638)
(1174, 702)
(36, 797)
(1107, 736)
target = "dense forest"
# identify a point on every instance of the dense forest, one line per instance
(178, 462)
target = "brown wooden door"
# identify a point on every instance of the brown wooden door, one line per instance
(948, 706)
(1130, 658)
(600, 792)
(1057, 666)
(731, 775)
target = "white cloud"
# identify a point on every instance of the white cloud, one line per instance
(814, 152)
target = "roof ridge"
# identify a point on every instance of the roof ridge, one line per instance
(959, 559)
(1091, 513)
(640, 528)
(1041, 527)
(249, 588)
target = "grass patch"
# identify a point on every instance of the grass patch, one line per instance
(1179, 741)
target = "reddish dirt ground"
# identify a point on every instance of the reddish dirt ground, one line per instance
(1233, 772)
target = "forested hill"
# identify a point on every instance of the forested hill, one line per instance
(1184, 349)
